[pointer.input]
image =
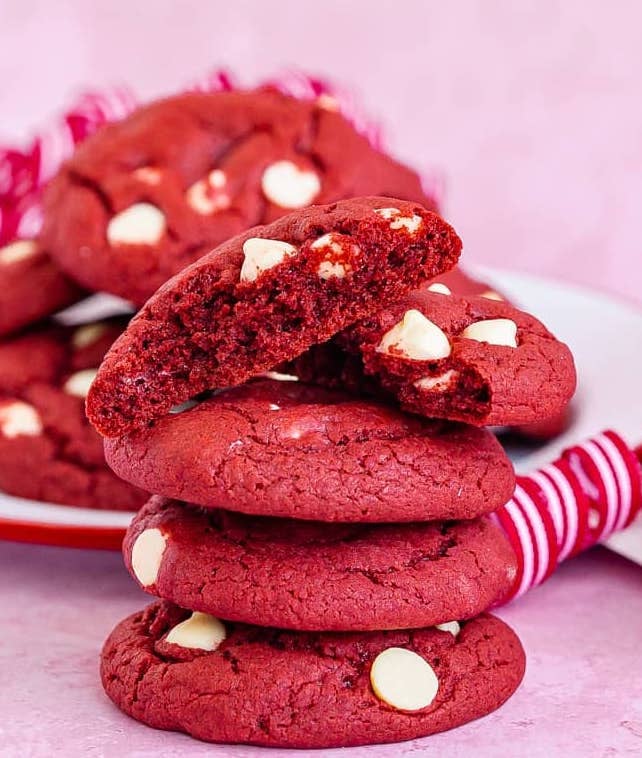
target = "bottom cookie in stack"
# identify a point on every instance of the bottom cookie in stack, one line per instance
(226, 682)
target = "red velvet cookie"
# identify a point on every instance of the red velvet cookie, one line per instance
(474, 360)
(31, 286)
(281, 448)
(144, 197)
(48, 450)
(265, 297)
(231, 683)
(309, 575)
(458, 282)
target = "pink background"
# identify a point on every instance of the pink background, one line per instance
(532, 109)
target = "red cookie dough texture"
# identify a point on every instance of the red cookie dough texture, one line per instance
(281, 448)
(316, 576)
(144, 197)
(264, 297)
(31, 286)
(474, 360)
(48, 450)
(242, 684)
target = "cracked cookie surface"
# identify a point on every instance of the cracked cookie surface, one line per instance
(144, 197)
(281, 448)
(317, 576)
(48, 449)
(265, 297)
(474, 360)
(275, 688)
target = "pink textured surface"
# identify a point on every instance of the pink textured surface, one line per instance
(532, 109)
(582, 694)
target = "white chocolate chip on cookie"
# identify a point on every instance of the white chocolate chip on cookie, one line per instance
(140, 224)
(16, 251)
(261, 255)
(147, 555)
(327, 102)
(209, 195)
(403, 679)
(79, 383)
(494, 331)
(288, 186)
(19, 419)
(437, 383)
(148, 175)
(338, 256)
(491, 295)
(439, 288)
(449, 626)
(198, 632)
(399, 221)
(277, 376)
(86, 335)
(415, 337)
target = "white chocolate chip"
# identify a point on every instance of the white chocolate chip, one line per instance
(199, 632)
(403, 679)
(19, 419)
(17, 251)
(491, 295)
(439, 288)
(86, 335)
(140, 224)
(148, 175)
(494, 331)
(415, 337)
(336, 265)
(275, 407)
(288, 186)
(261, 255)
(327, 102)
(328, 270)
(278, 377)
(208, 195)
(398, 221)
(147, 554)
(410, 223)
(437, 383)
(387, 213)
(79, 383)
(449, 626)
(329, 240)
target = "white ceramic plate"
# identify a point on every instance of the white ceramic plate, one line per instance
(605, 335)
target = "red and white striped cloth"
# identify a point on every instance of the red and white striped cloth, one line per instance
(591, 491)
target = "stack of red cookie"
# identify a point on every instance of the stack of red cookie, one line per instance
(323, 560)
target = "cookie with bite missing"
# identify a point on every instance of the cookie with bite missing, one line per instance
(223, 682)
(265, 297)
(309, 575)
(31, 286)
(48, 449)
(282, 448)
(475, 360)
(143, 198)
